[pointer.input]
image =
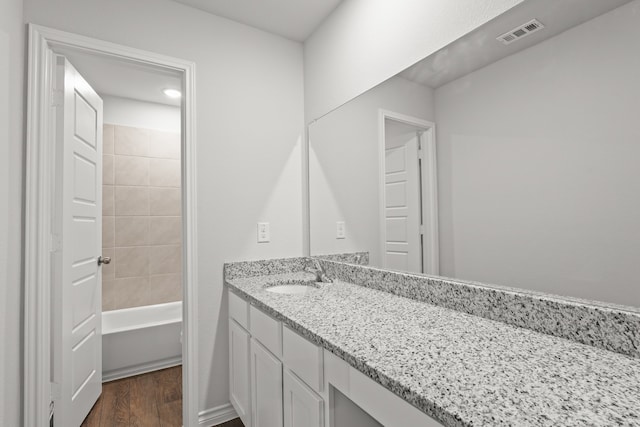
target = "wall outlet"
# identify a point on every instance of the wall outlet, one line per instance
(263, 232)
(340, 230)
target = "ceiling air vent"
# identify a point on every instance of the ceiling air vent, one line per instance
(521, 31)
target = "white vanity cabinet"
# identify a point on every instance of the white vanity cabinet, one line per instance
(275, 375)
(280, 379)
(302, 406)
(239, 359)
(239, 385)
(303, 358)
(378, 406)
(266, 387)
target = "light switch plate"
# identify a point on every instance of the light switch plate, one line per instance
(264, 236)
(340, 230)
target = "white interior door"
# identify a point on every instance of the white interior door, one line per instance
(403, 241)
(76, 330)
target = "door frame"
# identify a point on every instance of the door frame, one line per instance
(40, 169)
(431, 246)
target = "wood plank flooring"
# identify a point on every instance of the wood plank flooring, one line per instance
(148, 400)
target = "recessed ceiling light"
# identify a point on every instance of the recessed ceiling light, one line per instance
(172, 93)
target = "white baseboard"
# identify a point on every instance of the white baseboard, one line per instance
(218, 415)
(130, 371)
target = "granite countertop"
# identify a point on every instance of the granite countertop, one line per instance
(460, 369)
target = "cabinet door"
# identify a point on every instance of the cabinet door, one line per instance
(302, 406)
(266, 387)
(239, 369)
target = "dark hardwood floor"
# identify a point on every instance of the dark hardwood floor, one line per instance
(233, 423)
(148, 400)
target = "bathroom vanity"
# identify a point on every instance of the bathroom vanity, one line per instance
(280, 378)
(377, 347)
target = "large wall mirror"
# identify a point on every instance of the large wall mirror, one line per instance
(510, 157)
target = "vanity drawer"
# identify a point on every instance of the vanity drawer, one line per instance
(302, 357)
(239, 310)
(267, 330)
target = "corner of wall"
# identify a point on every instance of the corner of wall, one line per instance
(12, 78)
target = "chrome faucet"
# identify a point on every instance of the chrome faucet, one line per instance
(321, 276)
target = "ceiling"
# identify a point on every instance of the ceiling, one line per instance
(480, 47)
(293, 19)
(111, 76)
(296, 19)
(117, 77)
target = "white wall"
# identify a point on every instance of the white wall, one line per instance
(538, 165)
(343, 166)
(249, 130)
(134, 113)
(11, 183)
(364, 42)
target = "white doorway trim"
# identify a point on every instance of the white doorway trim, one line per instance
(431, 249)
(38, 218)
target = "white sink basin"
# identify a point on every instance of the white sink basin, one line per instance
(293, 288)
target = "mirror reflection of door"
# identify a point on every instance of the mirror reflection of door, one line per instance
(403, 198)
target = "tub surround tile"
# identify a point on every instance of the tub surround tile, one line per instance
(164, 173)
(109, 295)
(130, 141)
(459, 368)
(108, 231)
(164, 145)
(165, 230)
(165, 259)
(131, 231)
(107, 170)
(132, 262)
(145, 246)
(108, 200)
(131, 170)
(140, 291)
(165, 201)
(131, 200)
(107, 139)
(131, 291)
(165, 288)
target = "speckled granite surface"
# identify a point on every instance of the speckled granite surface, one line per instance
(607, 326)
(264, 267)
(461, 369)
(284, 265)
(359, 258)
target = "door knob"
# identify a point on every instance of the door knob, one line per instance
(104, 260)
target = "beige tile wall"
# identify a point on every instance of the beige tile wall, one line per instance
(141, 229)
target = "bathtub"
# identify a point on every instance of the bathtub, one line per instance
(141, 339)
